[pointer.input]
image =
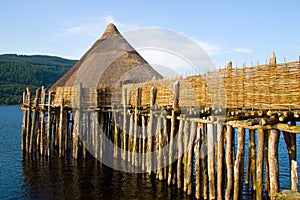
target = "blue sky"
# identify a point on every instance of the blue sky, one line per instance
(241, 31)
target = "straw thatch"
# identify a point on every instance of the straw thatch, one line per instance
(110, 62)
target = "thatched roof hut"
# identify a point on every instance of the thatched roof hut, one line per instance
(110, 62)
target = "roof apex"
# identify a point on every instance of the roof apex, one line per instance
(110, 31)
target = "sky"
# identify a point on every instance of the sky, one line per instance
(240, 31)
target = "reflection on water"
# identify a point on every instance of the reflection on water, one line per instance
(34, 178)
(89, 179)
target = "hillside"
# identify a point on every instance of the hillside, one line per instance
(19, 71)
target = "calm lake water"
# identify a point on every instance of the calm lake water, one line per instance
(64, 179)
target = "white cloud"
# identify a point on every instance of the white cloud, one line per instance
(124, 27)
(161, 41)
(241, 50)
(217, 49)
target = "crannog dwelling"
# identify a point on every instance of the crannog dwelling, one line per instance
(189, 131)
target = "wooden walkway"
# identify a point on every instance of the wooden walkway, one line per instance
(177, 129)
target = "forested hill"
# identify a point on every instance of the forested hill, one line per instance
(19, 71)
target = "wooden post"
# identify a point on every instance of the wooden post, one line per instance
(203, 161)
(239, 166)
(267, 176)
(260, 164)
(125, 110)
(34, 120)
(273, 162)
(220, 138)
(150, 131)
(115, 132)
(294, 176)
(42, 127)
(85, 134)
(77, 123)
(186, 132)
(197, 163)
(165, 136)
(144, 136)
(211, 161)
(130, 140)
(61, 122)
(29, 120)
(49, 126)
(24, 119)
(136, 133)
(67, 132)
(159, 148)
(290, 141)
(190, 158)
(252, 158)
(248, 164)
(173, 127)
(229, 163)
(180, 154)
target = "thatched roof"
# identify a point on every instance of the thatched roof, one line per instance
(110, 62)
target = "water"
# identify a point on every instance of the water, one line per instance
(32, 178)
(64, 179)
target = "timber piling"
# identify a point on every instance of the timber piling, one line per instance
(187, 139)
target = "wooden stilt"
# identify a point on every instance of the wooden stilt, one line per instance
(159, 148)
(61, 122)
(49, 126)
(186, 134)
(248, 163)
(130, 140)
(165, 137)
(260, 164)
(144, 143)
(294, 176)
(172, 131)
(267, 174)
(77, 123)
(150, 131)
(252, 158)
(220, 153)
(24, 119)
(239, 166)
(190, 157)
(290, 141)
(180, 154)
(34, 121)
(197, 162)
(29, 119)
(203, 162)
(115, 132)
(67, 132)
(273, 162)
(211, 161)
(135, 160)
(125, 133)
(229, 163)
(42, 121)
